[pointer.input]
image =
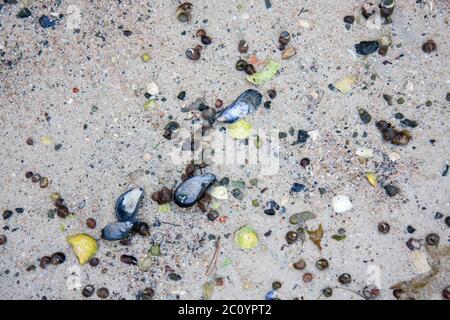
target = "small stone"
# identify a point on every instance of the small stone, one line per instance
(364, 116)
(438, 215)
(145, 57)
(391, 190)
(7, 214)
(3, 239)
(94, 262)
(299, 265)
(429, 46)
(410, 229)
(288, 53)
(366, 47)
(103, 293)
(24, 13)
(349, 19)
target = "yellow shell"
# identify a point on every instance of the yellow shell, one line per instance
(84, 246)
(240, 130)
(372, 178)
(246, 238)
(345, 85)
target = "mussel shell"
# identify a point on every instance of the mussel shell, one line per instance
(192, 189)
(247, 103)
(117, 230)
(127, 204)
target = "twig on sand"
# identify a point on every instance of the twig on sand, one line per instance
(213, 262)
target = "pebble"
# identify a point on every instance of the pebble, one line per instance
(341, 204)
(103, 293)
(391, 190)
(349, 19)
(91, 223)
(7, 214)
(46, 22)
(24, 13)
(3, 239)
(366, 47)
(298, 187)
(429, 46)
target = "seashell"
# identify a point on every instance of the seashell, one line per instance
(220, 192)
(84, 246)
(247, 103)
(341, 204)
(366, 47)
(267, 73)
(127, 204)
(288, 53)
(346, 84)
(246, 238)
(240, 130)
(372, 178)
(117, 230)
(387, 7)
(192, 189)
(183, 12)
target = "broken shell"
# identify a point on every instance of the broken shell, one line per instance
(372, 178)
(183, 12)
(341, 204)
(345, 85)
(219, 192)
(117, 231)
(127, 204)
(288, 53)
(240, 130)
(246, 238)
(368, 9)
(267, 73)
(84, 246)
(366, 47)
(192, 189)
(384, 41)
(247, 103)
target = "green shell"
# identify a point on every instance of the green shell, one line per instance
(267, 73)
(246, 238)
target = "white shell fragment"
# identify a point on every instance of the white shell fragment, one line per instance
(219, 192)
(341, 204)
(364, 152)
(152, 89)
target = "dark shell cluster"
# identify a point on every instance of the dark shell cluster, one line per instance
(391, 134)
(127, 206)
